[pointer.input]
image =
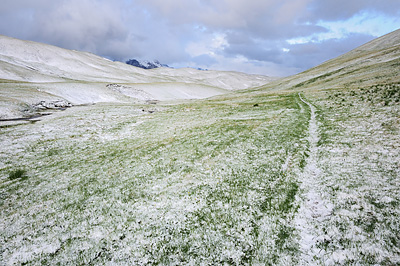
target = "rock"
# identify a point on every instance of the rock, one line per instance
(57, 104)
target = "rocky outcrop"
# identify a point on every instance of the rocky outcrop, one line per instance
(57, 104)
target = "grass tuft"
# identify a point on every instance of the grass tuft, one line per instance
(17, 174)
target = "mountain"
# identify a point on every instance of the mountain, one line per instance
(32, 72)
(145, 64)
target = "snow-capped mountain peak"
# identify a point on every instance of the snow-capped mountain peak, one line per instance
(146, 64)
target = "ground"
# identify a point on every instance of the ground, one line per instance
(251, 178)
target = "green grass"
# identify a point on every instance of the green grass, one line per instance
(17, 174)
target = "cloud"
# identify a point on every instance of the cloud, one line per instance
(80, 24)
(331, 10)
(262, 36)
(76, 24)
(258, 18)
(307, 55)
(253, 50)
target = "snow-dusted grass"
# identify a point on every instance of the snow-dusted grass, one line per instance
(204, 182)
(244, 179)
(359, 160)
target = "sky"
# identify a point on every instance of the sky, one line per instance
(269, 37)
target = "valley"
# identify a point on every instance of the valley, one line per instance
(302, 170)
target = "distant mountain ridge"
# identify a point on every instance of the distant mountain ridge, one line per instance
(146, 64)
(35, 75)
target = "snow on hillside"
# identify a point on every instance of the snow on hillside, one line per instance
(81, 77)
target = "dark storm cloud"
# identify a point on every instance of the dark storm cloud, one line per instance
(247, 35)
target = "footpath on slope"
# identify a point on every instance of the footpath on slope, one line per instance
(313, 208)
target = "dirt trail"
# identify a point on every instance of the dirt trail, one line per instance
(313, 208)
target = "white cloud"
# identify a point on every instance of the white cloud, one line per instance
(374, 24)
(210, 45)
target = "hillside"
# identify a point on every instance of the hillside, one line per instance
(31, 72)
(302, 171)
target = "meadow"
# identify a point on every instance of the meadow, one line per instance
(255, 177)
